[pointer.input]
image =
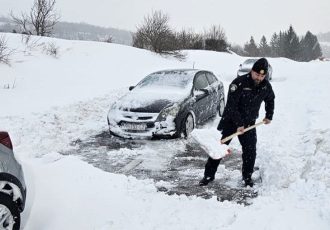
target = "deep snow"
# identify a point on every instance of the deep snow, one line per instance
(56, 100)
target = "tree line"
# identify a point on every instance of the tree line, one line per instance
(283, 44)
(156, 35)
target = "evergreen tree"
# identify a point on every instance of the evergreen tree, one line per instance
(251, 48)
(281, 42)
(310, 47)
(264, 48)
(291, 45)
(275, 45)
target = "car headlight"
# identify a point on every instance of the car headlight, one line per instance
(168, 111)
(114, 106)
(113, 113)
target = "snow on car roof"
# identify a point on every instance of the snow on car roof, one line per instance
(250, 61)
(181, 78)
(191, 72)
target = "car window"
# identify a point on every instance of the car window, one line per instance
(211, 78)
(250, 61)
(200, 81)
(178, 79)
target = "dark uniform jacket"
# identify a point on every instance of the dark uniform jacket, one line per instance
(244, 101)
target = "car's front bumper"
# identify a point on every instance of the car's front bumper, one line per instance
(139, 125)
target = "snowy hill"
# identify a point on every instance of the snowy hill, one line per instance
(52, 101)
(78, 31)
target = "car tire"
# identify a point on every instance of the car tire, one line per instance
(9, 214)
(111, 133)
(188, 125)
(221, 106)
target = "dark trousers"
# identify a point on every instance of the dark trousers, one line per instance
(248, 141)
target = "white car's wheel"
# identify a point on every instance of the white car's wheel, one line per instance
(189, 125)
(9, 213)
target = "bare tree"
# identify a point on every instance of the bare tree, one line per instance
(215, 39)
(5, 52)
(155, 34)
(41, 19)
(30, 43)
(52, 49)
(22, 22)
(43, 16)
(108, 39)
(188, 39)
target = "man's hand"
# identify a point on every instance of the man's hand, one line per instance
(267, 121)
(240, 130)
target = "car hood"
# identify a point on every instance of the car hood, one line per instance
(149, 100)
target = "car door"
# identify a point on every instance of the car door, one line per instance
(202, 97)
(214, 92)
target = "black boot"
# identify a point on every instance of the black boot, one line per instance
(248, 182)
(205, 181)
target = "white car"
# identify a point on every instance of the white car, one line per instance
(247, 65)
(12, 185)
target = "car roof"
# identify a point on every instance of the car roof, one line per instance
(190, 72)
(250, 60)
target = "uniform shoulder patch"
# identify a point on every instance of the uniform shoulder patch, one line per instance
(233, 87)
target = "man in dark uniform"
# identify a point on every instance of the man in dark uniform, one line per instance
(245, 95)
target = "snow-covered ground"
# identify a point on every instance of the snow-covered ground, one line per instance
(52, 101)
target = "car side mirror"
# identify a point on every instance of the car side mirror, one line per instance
(131, 87)
(240, 65)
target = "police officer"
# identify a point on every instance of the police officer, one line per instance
(245, 95)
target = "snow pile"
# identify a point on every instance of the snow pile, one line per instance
(58, 101)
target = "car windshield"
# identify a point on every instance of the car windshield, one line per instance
(249, 61)
(247, 65)
(167, 79)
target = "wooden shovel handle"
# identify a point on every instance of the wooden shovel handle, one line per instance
(238, 133)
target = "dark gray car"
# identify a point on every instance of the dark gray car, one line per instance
(247, 65)
(12, 185)
(167, 103)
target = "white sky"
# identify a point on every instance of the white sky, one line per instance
(239, 19)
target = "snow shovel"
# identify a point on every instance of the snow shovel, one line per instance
(224, 149)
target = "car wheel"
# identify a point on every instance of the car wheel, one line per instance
(188, 125)
(9, 214)
(110, 132)
(221, 106)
